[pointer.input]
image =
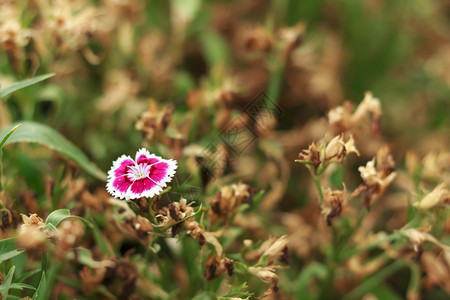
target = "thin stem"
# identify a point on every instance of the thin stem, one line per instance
(375, 280)
(151, 212)
(316, 180)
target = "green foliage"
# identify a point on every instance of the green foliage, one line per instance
(8, 249)
(23, 84)
(32, 132)
(234, 91)
(57, 216)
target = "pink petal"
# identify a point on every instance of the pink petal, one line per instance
(159, 171)
(142, 185)
(143, 156)
(122, 184)
(123, 167)
(118, 183)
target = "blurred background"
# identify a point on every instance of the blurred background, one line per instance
(113, 58)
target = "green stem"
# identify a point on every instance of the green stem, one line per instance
(316, 180)
(151, 212)
(414, 281)
(373, 281)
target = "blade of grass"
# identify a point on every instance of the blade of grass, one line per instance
(23, 84)
(8, 249)
(7, 283)
(33, 132)
(375, 280)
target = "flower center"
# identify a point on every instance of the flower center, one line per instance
(138, 171)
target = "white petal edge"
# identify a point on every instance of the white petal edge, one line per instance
(156, 190)
(111, 177)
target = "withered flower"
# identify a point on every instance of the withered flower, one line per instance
(33, 233)
(226, 201)
(436, 166)
(268, 275)
(333, 201)
(69, 233)
(121, 279)
(154, 121)
(12, 36)
(417, 236)
(377, 175)
(311, 155)
(257, 39)
(342, 119)
(271, 249)
(91, 280)
(71, 25)
(437, 270)
(438, 195)
(290, 37)
(216, 266)
(318, 157)
(177, 211)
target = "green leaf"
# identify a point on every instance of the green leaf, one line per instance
(313, 270)
(100, 240)
(42, 288)
(16, 286)
(59, 215)
(84, 257)
(375, 280)
(215, 48)
(23, 84)
(8, 249)
(27, 275)
(257, 197)
(8, 135)
(33, 132)
(4, 288)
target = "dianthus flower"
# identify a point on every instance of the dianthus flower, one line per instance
(144, 177)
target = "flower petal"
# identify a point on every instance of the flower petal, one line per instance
(144, 156)
(118, 181)
(163, 171)
(159, 172)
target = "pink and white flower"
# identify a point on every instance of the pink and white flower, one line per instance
(146, 176)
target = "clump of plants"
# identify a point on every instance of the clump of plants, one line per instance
(187, 149)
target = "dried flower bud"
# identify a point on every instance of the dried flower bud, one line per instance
(437, 270)
(154, 121)
(216, 266)
(333, 200)
(33, 233)
(341, 118)
(334, 150)
(312, 155)
(177, 211)
(69, 232)
(270, 250)
(290, 38)
(226, 201)
(438, 195)
(257, 39)
(436, 165)
(268, 275)
(418, 236)
(377, 175)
